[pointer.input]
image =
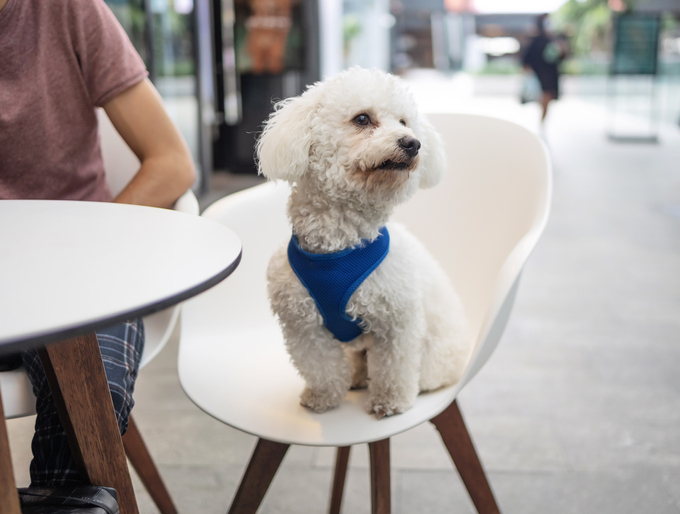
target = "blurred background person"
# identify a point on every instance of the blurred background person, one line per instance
(543, 56)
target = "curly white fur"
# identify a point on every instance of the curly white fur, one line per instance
(347, 175)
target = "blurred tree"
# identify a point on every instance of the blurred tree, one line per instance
(351, 28)
(587, 23)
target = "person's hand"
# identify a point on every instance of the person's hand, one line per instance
(166, 170)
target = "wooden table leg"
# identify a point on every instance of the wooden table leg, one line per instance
(9, 498)
(75, 373)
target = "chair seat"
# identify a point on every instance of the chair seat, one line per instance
(17, 394)
(261, 395)
(17, 391)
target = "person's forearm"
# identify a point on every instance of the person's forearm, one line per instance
(159, 182)
(167, 169)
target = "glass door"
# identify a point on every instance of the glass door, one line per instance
(164, 34)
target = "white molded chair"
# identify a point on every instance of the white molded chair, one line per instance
(18, 400)
(481, 223)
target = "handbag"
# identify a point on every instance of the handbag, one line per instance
(530, 90)
(82, 499)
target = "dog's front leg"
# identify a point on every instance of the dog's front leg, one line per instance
(318, 356)
(393, 371)
(321, 361)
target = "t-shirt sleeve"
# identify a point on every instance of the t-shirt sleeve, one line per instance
(108, 61)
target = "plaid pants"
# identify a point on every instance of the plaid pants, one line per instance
(121, 347)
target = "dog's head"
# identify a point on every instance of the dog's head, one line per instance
(358, 131)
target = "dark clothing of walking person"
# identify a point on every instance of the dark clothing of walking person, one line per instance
(543, 56)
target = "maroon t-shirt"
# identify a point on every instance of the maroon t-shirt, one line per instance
(59, 59)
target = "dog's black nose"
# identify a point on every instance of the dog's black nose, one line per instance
(410, 145)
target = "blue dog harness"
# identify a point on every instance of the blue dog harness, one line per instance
(331, 278)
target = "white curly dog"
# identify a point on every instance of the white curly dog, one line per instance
(353, 147)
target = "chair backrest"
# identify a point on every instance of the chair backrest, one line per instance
(484, 219)
(258, 216)
(120, 164)
(481, 223)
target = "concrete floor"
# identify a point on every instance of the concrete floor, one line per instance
(577, 412)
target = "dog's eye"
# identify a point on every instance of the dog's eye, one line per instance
(403, 122)
(362, 119)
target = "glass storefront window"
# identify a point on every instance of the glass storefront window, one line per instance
(162, 31)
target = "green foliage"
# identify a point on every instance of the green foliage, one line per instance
(137, 19)
(178, 68)
(587, 23)
(351, 27)
(585, 66)
(669, 23)
(501, 66)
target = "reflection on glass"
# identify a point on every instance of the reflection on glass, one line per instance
(366, 26)
(162, 31)
(268, 36)
(131, 15)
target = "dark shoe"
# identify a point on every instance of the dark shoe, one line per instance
(10, 361)
(82, 499)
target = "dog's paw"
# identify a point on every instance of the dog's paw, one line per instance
(385, 406)
(320, 401)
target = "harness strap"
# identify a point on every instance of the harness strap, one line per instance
(332, 278)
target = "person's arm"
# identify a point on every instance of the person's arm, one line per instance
(167, 170)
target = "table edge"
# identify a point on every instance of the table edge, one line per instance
(42, 339)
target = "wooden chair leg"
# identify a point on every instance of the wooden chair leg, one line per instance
(260, 472)
(9, 498)
(457, 439)
(341, 460)
(141, 460)
(380, 477)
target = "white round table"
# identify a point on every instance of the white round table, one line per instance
(70, 268)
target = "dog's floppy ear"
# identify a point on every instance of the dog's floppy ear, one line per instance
(283, 147)
(432, 155)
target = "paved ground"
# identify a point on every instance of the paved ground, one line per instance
(578, 412)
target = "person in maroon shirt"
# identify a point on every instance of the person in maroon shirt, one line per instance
(59, 60)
